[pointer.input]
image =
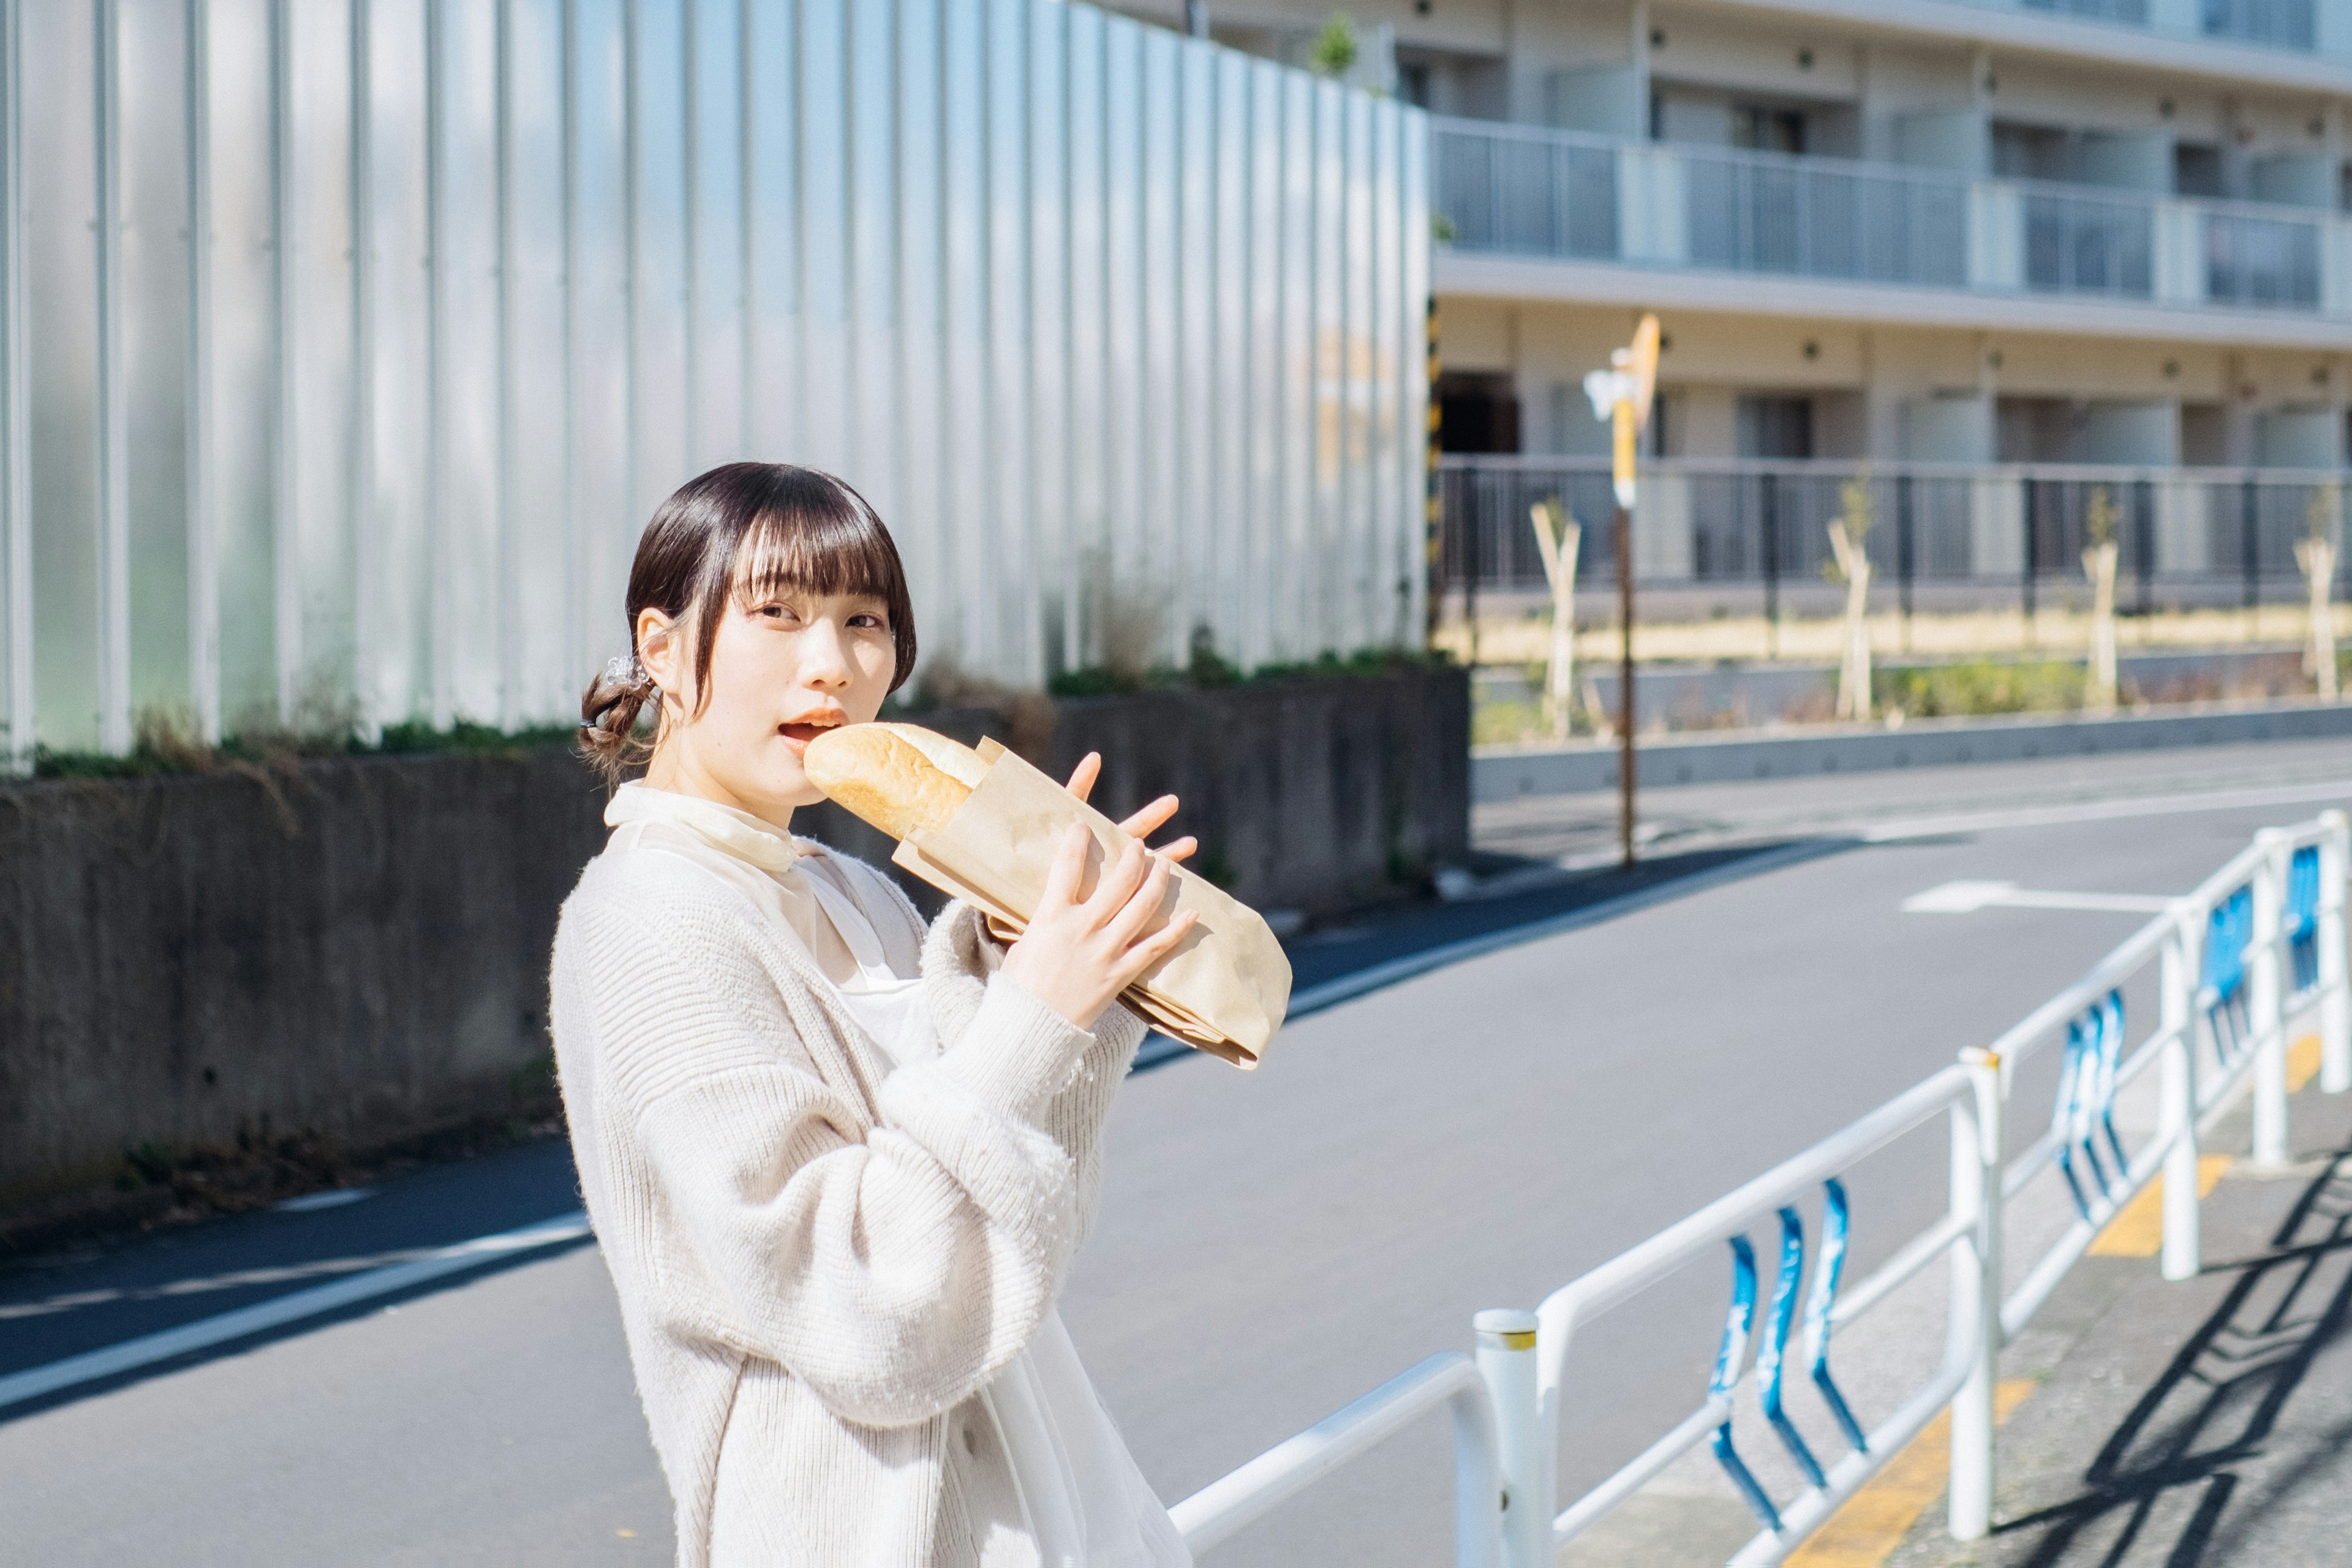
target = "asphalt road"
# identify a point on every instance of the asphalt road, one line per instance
(1272, 1245)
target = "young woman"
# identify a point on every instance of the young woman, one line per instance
(837, 1164)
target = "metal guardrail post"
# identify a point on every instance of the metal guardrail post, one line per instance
(2184, 1244)
(1507, 1360)
(2335, 1001)
(2266, 997)
(1976, 1292)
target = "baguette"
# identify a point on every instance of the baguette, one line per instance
(902, 778)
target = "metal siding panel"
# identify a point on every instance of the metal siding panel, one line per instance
(395, 520)
(1297, 377)
(1197, 435)
(16, 691)
(1012, 555)
(825, 236)
(607, 518)
(715, 213)
(155, 320)
(925, 503)
(1386, 530)
(658, 257)
(1241, 634)
(243, 393)
(772, 274)
(1360, 379)
(969, 630)
(317, 537)
(1122, 577)
(468, 305)
(1326, 563)
(543, 588)
(61, 347)
(870, 459)
(1268, 248)
(1049, 335)
(1084, 307)
(1162, 373)
(1088, 539)
(1412, 425)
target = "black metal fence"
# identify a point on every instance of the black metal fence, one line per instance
(2225, 534)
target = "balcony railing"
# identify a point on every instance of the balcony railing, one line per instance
(1523, 191)
(2184, 535)
(2273, 24)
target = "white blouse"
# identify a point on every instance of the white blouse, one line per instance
(1086, 1504)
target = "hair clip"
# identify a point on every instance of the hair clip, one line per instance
(629, 671)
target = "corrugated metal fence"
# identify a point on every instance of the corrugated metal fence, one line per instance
(1122, 332)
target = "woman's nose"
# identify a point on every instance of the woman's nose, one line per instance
(825, 662)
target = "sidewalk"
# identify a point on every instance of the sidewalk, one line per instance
(2205, 1421)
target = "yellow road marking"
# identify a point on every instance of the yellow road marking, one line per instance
(2302, 1063)
(1873, 1523)
(2138, 1231)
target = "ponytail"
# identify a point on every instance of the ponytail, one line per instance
(609, 710)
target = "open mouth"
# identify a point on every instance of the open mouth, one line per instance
(801, 731)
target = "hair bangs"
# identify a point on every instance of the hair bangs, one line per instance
(828, 541)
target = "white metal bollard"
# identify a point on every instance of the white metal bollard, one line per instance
(2177, 1003)
(1507, 1360)
(1977, 1292)
(2265, 999)
(2335, 1002)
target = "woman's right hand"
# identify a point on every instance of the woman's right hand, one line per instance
(1077, 954)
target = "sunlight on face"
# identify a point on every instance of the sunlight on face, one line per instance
(783, 669)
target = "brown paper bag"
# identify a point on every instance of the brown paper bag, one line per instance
(1225, 987)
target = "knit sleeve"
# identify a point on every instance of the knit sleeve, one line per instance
(892, 1270)
(959, 958)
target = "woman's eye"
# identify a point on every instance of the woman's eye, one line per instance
(867, 621)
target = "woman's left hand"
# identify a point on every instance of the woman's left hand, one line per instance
(1144, 823)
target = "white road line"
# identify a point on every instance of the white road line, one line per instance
(1966, 898)
(2107, 810)
(205, 1332)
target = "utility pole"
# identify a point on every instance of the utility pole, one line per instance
(1196, 17)
(1621, 396)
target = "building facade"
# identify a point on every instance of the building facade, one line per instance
(1998, 256)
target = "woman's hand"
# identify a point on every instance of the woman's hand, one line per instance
(1144, 823)
(1077, 954)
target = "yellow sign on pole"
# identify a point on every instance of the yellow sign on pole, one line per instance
(1622, 394)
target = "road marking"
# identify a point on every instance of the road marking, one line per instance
(2107, 810)
(1966, 898)
(2302, 1063)
(1873, 1523)
(333, 1198)
(2138, 1231)
(221, 1329)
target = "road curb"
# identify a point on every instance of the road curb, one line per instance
(1675, 760)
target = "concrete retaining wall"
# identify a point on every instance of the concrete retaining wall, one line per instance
(359, 947)
(1923, 743)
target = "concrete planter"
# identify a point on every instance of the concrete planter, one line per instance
(358, 947)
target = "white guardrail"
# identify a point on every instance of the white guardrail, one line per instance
(2254, 950)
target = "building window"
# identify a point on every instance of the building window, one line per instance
(1478, 411)
(2196, 171)
(1768, 130)
(1776, 427)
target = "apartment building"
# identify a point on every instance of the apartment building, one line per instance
(2033, 266)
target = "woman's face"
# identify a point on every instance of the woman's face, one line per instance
(784, 667)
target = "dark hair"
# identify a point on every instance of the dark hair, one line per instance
(741, 530)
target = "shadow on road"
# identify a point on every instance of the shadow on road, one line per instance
(2197, 1456)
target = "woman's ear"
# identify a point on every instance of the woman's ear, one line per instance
(661, 648)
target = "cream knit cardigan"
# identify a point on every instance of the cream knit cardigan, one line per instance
(820, 1266)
